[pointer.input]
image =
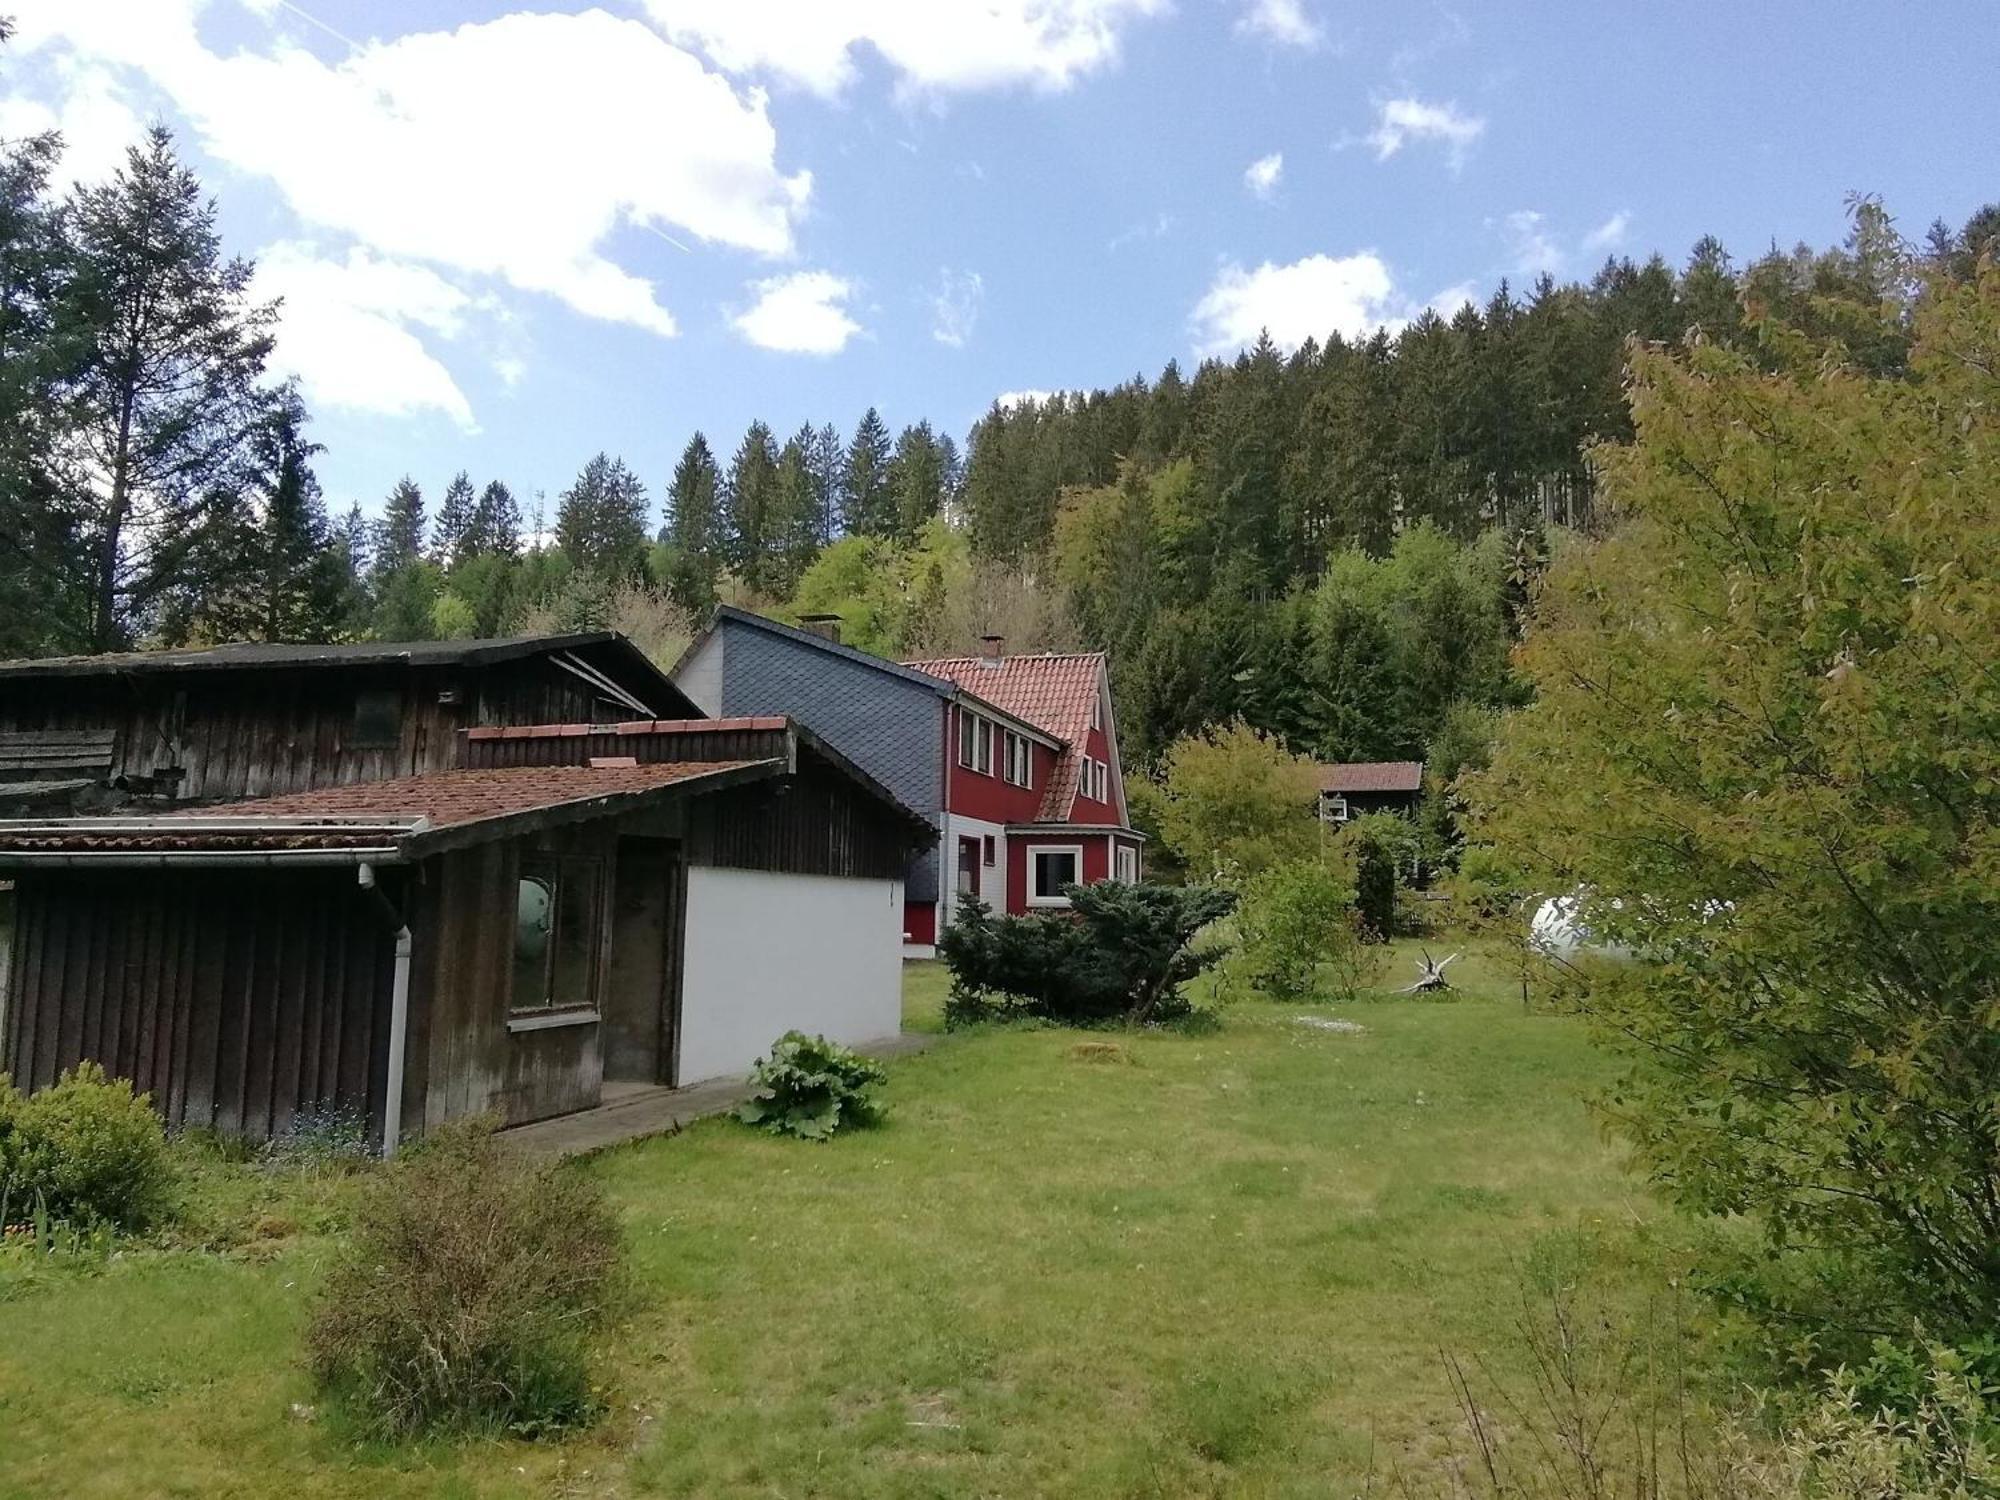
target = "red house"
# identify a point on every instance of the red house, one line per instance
(1026, 815)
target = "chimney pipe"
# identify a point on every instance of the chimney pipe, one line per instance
(993, 645)
(826, 627)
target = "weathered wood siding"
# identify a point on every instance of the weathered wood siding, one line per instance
(239, 1001)
(815, 823)
(462, 1059)
(256, 732)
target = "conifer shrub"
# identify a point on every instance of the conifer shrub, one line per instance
(469, 1293)
(86, 1151)
(810, 1087)
(1121, 953)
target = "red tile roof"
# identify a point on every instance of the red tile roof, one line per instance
(1373, 776)
(448, 797)
(1055, 693)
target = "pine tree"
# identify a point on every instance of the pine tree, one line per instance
(496, 522)
(692, 528)
(749, 500)
(868, 508)
(169, 399)
(452, 535)
(601, 520)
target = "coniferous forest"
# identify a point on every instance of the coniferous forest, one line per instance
(1330, 543)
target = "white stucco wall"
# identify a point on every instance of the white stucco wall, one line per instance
(770, 953)
(992, 878)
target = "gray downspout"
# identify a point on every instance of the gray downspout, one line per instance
(399, 1015)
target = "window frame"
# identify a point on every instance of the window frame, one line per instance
(982, 744)
(989, 851)
(1034, 853)
(558, 871)
(965, 736)
(375, 707)
(1337, 810)
(1123, 858)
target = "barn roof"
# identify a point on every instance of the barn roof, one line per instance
(1055, 692)
(1373, 776)
(402, 818)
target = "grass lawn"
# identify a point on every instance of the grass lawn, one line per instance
(1186, 1265)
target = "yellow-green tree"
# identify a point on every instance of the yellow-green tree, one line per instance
(1766, 746)
(1232, 803)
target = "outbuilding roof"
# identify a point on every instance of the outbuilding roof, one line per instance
(1055, 692)
(404, 817)
(1373, 776)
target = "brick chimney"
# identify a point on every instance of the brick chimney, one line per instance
(826, 627)
(991, 652)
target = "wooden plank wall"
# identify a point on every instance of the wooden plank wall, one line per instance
(815, 823)
(239, 1001)
(259, 733)
(462, 1059)
(648, 749)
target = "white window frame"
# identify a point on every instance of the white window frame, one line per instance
(965, 737)
(1336, 807)
(1125, 862)
(1033, 853)
(982, 745)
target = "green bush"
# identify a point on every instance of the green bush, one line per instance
(1379, 844)
(468, 1294)
(1299, 931)
(87, 1151)
(1120, 953)
(810, 1087)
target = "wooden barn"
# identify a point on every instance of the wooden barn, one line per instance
(91, 733)
(569, 909)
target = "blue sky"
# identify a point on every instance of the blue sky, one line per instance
(509, 236)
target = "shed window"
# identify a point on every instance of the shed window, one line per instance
(1050, 870)
(556, 914)
(378, 720)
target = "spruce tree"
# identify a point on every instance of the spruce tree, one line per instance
(168, 399)
(399, 535)
(826, 460)
(496, 522)
(601, 520)
(749, 500)
(301, 574)
(693, 527)
(868, 508)
(796, 513)
(452, 535)
(916, 480)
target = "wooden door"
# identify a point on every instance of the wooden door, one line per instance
(642, 999)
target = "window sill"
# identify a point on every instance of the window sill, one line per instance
(542, 1020)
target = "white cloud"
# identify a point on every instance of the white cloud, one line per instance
(1282, 21)
(1447, 302)
(97, 124)
(1530, 246)
(346, 332)
(513, 148)
(1262, 175)
(1399, 122)
(1611, 233)
(803, 313)
(933, 46)
(955, 306)
(1352, 295)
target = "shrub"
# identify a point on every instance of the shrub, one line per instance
(1298, 928)
(86, 1151)
(468, 1294)
(1379, 844)
(1121, 952)
(810, 1087)
(1233, 802)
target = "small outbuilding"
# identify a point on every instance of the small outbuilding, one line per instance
(1351, 788)
(571, 909)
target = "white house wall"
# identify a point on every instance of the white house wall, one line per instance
(992, 878)
(769, 953)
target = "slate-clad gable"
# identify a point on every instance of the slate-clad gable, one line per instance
(888, 724)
